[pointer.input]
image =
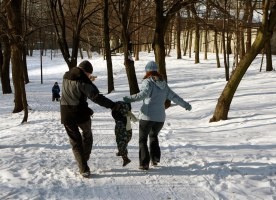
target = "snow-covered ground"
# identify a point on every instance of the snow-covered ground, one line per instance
(232, 159)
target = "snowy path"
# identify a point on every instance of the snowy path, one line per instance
(46, 170)
(228, 160)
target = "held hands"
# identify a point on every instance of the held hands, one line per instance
(126, 99)
(117, 105)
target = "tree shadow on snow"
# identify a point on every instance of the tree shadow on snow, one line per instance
(221, 169)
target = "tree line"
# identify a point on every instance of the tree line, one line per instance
(131, 26)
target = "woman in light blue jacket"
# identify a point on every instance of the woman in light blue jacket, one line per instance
(154, 92)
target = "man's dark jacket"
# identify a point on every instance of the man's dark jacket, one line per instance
(76, 88)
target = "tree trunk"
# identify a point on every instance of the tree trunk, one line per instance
(197, 38)
(158, 41)
(226, 67)
(60, 25)
(178, 35)
(25, 69)
(187, 35)
(5, 67)
(169, 35)
(1, 57)
(216, 48)
(110, 80)
(264, 35)
(238, 47)
(268, 56)
(159, 52)
(206, 33)
(250, 9)
(161, 25)
(15, 25)
(80, 51)
(190, 43)
(1, 66)
(242, 44)
(137, 47)
(128, 60)
(186, 38)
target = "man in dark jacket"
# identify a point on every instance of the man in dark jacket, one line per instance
(75, 113)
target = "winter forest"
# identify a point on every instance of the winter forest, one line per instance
(205, 49)
(129, 26)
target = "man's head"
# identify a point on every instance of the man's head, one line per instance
(86, 66)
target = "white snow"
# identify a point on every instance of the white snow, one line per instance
(232, 159)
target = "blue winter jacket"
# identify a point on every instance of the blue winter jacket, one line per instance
(154, 93)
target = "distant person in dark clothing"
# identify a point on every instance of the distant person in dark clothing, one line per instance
(75, 113)
(55, 92)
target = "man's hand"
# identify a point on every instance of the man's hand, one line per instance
(92, 78)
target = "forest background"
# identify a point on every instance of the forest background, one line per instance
(240, 27)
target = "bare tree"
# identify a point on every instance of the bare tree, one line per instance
(5, 53)
(122, 9)
(110, 80)
(178, 35)
(225, 43)
(163, 15)
(197, 20)
(13, 8)
(216, 47)
(196, 47)
(69, 18)
(269, 66)
(5, 66)
(264, 35)
(248, 16)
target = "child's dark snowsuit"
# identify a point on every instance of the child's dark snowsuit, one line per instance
(123, 131)
(55, 92)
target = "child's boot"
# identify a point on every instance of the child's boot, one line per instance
(126, 160)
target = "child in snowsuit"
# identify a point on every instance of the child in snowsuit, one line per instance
(123, 131)
(55, 92)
